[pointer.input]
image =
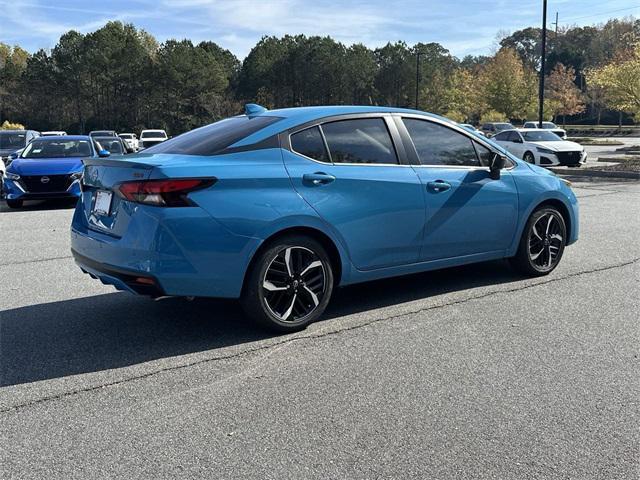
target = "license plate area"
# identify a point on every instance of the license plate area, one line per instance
(102, 203)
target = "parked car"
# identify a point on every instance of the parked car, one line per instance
(49, 167)
(131, 139)
(114, 145)
(561, 132)
(470, 127)
(53, 133)
(149, 138)
(490, 129)
(279, 207)
(103, 133)
(541, 147)
(14, 140)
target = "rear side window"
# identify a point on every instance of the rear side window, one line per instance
(364, 140)
(309, 142)
(438, 145)
(212, 139)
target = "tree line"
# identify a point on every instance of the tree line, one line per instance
(122, 78)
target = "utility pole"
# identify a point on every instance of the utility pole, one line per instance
(556, 24)
(542, 62)
(418, 52)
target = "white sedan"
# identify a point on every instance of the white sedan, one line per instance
(541, 147)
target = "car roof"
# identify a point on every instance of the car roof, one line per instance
(292, 117)
(64, 137)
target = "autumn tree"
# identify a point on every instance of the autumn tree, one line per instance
(620, 82)
(565, 96)
(508, 86)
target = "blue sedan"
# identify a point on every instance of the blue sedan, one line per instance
(48, 167)
(278, 208)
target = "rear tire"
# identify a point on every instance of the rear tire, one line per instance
(542, 243)
(14, 203)
(289, 284)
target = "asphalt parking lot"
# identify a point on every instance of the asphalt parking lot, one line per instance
(471, 372)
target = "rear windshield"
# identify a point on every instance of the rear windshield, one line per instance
(153, 134)
(57, 149)
(211, 139)
(12, 140)
(113, 146)
(128, 136)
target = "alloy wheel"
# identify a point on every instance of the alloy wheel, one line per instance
(294, 284)
(546, 241)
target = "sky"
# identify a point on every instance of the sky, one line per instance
(463, 27)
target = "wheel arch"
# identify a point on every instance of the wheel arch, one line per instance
(337, 258)
(561, 207)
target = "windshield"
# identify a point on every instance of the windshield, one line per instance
(57, 149)
(154, 134)
(127, 136)
(113, 146)
(213, 138)
(12, 140)
(504, 126)
(541, 137)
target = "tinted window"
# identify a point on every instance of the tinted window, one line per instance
(364, 140)
(484, 154)
(439, 145)
(213, 138)
(309, 142)
(502, 137)
(12, 140)
(514, 137)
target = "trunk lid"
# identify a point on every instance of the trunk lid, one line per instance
(104, 175)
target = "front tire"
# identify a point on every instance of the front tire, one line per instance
(289, 284)
(14, 203)
(529, 158)
(542, 243)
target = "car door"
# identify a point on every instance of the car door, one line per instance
(467, 212)
(348, 170)
(517, 146)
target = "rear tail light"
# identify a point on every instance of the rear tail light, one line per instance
(163, 193)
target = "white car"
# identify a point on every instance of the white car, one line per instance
(53, 133)
(131, 139)
(561, 132)
(541, 147)
(148, 138)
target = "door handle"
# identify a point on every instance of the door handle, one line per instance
(318, 178)
(439, 186)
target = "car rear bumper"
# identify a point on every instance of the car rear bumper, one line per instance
(176, 251)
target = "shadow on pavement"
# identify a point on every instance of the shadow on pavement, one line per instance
(115, 330)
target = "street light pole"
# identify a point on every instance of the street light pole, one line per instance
(417, 76)
(542, 62)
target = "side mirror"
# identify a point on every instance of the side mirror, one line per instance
(497, 163)
(103, 153)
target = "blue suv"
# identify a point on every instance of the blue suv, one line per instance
(278, 208)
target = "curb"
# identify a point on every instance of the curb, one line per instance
(591, 172)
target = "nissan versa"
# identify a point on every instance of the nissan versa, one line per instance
(277, 208)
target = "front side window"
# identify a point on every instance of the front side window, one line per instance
(502, 137)
(514, 137)
(309, 143)
(439, 145)
(484, 154)
(363, 140)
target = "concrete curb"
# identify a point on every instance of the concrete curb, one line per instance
(592, 172)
